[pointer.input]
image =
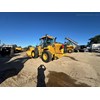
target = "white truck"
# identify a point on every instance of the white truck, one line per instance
(95, 47)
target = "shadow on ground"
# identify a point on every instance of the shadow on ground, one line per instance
(8, 56)
(98, 55)
(60, 79)
(71, 58)
(12, 68)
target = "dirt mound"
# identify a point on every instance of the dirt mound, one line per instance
(76, 69)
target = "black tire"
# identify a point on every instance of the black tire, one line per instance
(36, 53)
(70, 51)
(65, 49)
(49, 56)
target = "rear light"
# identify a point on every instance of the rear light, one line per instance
(62, 46)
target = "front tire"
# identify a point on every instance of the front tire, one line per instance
(34, 54)
(46, 56)
(70, 51)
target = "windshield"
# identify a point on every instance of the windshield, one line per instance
(69, 43)
(50, 41)
(46, 42)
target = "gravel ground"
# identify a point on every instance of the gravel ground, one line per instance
(73, 70)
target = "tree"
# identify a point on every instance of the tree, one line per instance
(29, 46)
(95, 39)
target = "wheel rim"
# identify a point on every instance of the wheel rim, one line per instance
(70, 51)
(45, 56)
(32, 54)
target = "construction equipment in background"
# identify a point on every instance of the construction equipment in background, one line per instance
(82, 48)
(9, 50)
(48, 49)
(6, 50)
(18, 49)
(71, 46)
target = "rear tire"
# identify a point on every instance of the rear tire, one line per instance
(46, 56)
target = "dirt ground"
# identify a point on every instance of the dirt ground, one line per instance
(73, 70)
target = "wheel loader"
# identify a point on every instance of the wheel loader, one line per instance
(18, 49)
(70, 46)
(48, 49)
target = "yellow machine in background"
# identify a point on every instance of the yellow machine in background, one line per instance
(48, 49)
(18, 49)
(70, 46)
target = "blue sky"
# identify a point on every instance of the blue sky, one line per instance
(26, 28)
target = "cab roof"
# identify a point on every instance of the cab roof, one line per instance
(50, 37)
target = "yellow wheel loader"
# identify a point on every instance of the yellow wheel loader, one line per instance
(18, 49)
(70, 46)
(48, 49)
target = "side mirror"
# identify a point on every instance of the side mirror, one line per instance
(55, 39)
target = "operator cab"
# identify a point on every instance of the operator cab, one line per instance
(46, 41)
